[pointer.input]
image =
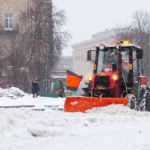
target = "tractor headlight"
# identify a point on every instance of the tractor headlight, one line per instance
(101, 46)
(90, 77)
(115, 77)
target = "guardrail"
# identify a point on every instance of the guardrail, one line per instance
(51, 95)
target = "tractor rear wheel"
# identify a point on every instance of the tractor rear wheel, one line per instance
(144, 101)
(146, 98)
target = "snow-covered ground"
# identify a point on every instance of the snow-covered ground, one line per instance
(114, 127)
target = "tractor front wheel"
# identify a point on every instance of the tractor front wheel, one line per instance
(145, 103)
(132, 101)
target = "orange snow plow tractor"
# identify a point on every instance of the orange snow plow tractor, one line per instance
(116, 79)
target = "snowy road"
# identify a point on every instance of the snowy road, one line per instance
(114, 127)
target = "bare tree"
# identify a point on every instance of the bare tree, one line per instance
(141, 25)
(138, 32)
(46, 38)
(124, 33)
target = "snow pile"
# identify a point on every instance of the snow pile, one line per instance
(13, 91)
(112, 127)
(23, 124)
(113, 109)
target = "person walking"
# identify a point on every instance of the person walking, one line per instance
(34, 87)
(61, 88)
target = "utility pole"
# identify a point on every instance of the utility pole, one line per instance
(28, 14)
(49, 13)
(50, 35)
(46, 86)
(46, 81)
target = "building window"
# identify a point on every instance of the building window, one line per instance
(8, 21)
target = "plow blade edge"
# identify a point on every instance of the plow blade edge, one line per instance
(81, 104)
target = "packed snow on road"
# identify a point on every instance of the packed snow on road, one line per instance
(113, 127)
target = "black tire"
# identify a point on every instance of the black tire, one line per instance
(131, 102)
(132, 106)
(141, 104)
(144, 103)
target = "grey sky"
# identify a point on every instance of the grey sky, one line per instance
(86, 17)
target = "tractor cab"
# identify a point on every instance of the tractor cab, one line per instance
(131, 62)
(118, 63)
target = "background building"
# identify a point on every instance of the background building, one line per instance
(11, 26)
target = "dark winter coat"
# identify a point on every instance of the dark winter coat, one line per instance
(61, 88)
(34, 85)
(38, 85)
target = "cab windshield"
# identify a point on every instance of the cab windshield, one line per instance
(109, 57)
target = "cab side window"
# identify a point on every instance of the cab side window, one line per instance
(135, 65)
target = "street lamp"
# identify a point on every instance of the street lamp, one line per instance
(46, 67)
(45, 81)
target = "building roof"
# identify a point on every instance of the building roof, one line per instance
(103, 33)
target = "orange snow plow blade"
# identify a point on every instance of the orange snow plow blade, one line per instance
(81, 104)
